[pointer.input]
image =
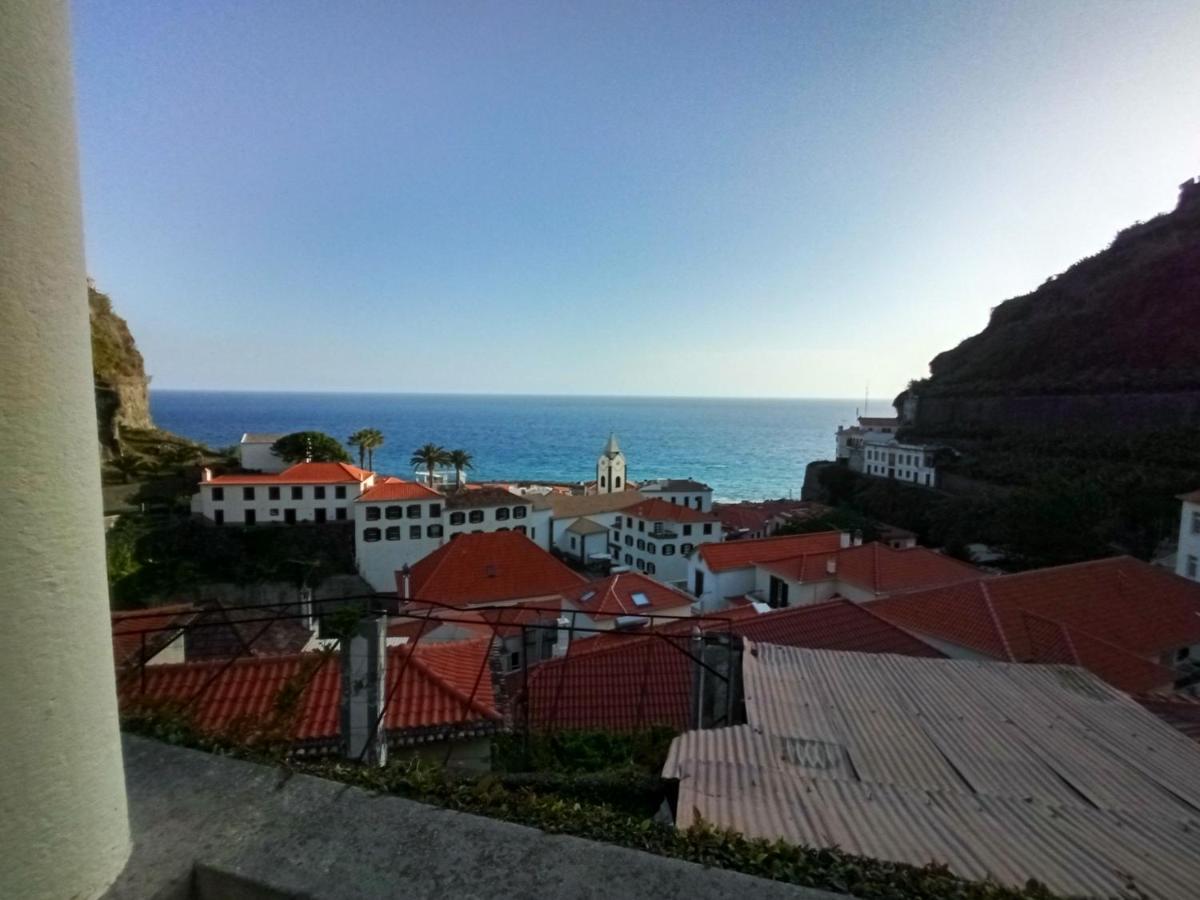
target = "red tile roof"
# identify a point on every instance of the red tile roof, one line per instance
(721, 557)
(300, 473)
(395, 489)
(160, 625)
(502, 621)
(878, 568)
(1115, 617)
(430, 688)
(637, 679)
(475, 569)
(613, 596)
(658, 510)
(1190, 497)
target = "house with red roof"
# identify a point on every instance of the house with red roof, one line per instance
(719, 572)
(1132, 624)
(656, 537)
(153, 636)
(623, 600)
(304, 492)
(440, 696)
(629, 681)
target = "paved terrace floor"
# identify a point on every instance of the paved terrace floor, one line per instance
(206, 826)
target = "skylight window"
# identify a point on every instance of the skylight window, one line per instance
(588, 596)
(640, 599)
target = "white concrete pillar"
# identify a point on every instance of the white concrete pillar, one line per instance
(63, 825)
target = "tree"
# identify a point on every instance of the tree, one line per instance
(309, 445)
(461, 460)
(374, 441)
(127, 467)
(359, 440)
(430, 456)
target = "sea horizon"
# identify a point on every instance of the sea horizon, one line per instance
(745, 448)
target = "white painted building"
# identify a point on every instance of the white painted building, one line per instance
(871, 448)
(682, 491)
(304, 492)
(610, 468)
(566, 512)
(399, 523)
(720, 573)
(1187, 559)
(254, 453)
(656, 537)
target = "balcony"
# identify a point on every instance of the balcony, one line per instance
(662, 534)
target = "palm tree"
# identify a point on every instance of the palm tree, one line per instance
(359, 439)
(431, 456)
(127, 467)
(461, 460)
(374, 441)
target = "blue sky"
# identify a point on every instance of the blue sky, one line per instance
(734, 198)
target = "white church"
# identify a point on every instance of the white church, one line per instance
(610, 468)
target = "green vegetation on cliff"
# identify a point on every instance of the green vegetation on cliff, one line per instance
(1123, 320)
(114, 352)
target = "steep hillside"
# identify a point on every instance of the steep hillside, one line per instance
(122, 395)
(1122, 322)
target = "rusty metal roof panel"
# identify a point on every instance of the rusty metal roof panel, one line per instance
(997, 770)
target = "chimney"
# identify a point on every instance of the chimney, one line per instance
(844, 539)
(405, 583)
(364, 679)
(831, 566)
(857, 539)
(206, 474)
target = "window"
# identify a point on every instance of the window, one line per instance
(319, 492)
(629, 540)
(372, 513)
(476, 515)
(218, 494)
(414, 532)
(219, 516)
(617, 522)
(687, 529)
(247, 493)
(649, 568)
(641, 564)
(395, 512)
(685, 549)
(519, 529)
(1196, 523)
(435, 510)
(502, 514)
(272, 493)
(639, 599)
(514, 660)
(628, 522)
(370, 535)
(392, 533)
(628, 559)
(708, 527)
(289, 516)
(778, 596)
(519, 512)
(274, 512)
(433, 531)
(1192, 565)
(321, 514)
(641, 525)
(697, 582)
(668, 549)
(674, 502)
(617, 481)
(1182, 653)
(651, 549)
(641, 545)
(340, 514)
(603, 481)
(297, 492)
(250, 517)
(340, 492)
(572, 543)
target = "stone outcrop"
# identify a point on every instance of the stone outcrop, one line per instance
(122, 386)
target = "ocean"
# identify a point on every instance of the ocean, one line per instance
(746, 449)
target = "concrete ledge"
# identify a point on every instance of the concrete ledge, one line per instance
(206, 826)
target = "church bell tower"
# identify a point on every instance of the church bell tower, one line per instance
(610, 468)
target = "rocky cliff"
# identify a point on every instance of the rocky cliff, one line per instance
(1111, 343)
(122, 386)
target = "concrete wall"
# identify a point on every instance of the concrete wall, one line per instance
(259, 458)
(64, 831)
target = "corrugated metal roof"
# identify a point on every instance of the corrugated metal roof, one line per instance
(997, 770)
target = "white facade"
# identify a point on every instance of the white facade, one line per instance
(292, 496)
(656, 544)
(392, 532)
(712, 588)
(610, 468)
(254, 453)
(687, 493)
(1187, 560)
(871, 448)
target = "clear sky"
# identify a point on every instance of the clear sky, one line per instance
(730, 198)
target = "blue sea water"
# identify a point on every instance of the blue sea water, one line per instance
(746, 449)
